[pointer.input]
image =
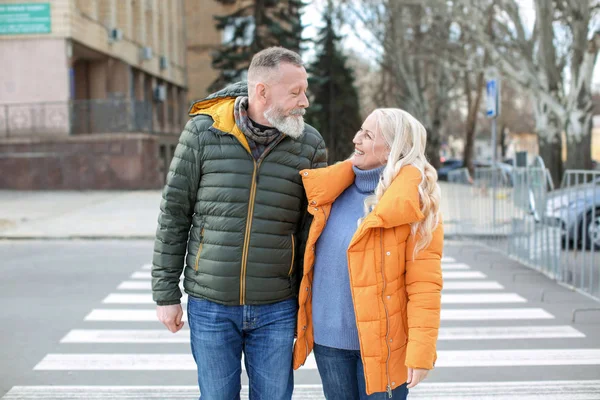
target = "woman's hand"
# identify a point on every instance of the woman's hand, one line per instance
(415, 376)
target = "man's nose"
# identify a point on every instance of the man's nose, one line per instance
(304, 103)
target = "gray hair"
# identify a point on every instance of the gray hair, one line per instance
(266, 61)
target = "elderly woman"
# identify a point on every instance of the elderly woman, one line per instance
(371, 290)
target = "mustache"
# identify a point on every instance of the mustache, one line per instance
(298, 111)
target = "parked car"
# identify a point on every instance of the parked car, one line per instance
(449, 165)
(577, 211)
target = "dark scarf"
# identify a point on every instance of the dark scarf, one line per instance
(240, 112)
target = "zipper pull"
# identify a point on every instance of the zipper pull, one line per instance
(389, 391)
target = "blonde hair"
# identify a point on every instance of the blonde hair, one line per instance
(406, 138)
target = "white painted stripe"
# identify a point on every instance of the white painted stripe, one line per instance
(446, 314)
(448, 259)
(135, 285)
(482, 298)
(139, 285)
(127, 298)
(125, 315)
(489, 314)
(508, 358)
(472, 285)
(455, 267)
(183, 336)
(446, 359)
(126, 336)
(509, 332)
(147, 267)
(128, 362)
(463, 275)
(141, 275)
(522, 390)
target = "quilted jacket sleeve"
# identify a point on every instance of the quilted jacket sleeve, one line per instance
(424, 287)
(175, 218)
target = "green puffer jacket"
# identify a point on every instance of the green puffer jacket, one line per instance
(238, 225)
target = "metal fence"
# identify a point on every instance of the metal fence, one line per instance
(79, 117)
(518, 211)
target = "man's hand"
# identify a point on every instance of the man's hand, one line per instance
(415, 376)
(170, 316)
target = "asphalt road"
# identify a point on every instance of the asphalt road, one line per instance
(76, 323)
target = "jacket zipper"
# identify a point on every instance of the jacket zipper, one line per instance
(387, 319)
(247, 235)
(293, 255)
(199, 249)
(249, 217)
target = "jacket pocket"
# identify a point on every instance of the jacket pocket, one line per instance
(293, 255)
(199, 249)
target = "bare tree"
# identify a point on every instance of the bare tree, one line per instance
(402, 36)
(554, 61)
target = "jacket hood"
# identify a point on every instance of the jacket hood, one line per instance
(219, 106)
(230, 92)
(399, 205)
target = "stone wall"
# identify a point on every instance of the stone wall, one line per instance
(91, 162)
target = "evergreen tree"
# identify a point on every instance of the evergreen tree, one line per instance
(251, 28)
(334, 109)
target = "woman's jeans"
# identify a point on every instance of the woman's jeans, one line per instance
(265, 334)
(343, 376)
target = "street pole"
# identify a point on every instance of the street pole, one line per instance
(493, 110)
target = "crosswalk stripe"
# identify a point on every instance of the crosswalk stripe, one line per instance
(126, 336)
(507, 358)
(522, 390)
(446, 359)
(482, 298)
(125, 315)
(489, 314)
(147, 267)
(141, 275)
(509, 332)
(448, 259)
(301, 392)
(446, 333)
(472, 298)
(135, 285)
(471, 285)
(128, 362)
(455, 267)
(463, 275)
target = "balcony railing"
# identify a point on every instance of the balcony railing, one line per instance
(84, 117)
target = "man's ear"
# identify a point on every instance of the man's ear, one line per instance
(261, 92)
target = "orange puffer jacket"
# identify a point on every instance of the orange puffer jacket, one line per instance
(396, 299)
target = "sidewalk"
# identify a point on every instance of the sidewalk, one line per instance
(78, 215)
(86, 215)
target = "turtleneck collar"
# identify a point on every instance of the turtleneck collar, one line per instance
(366, 180)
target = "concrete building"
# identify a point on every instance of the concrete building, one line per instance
(94, 91)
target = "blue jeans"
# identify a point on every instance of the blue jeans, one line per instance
(265, 334)
(343, 376)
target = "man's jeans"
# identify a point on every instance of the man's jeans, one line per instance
(265, 334)
(343, 376)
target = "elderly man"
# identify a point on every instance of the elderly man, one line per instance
(233, 212)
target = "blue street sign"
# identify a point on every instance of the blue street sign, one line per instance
(491, 99)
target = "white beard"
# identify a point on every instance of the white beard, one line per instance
(292, 125)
